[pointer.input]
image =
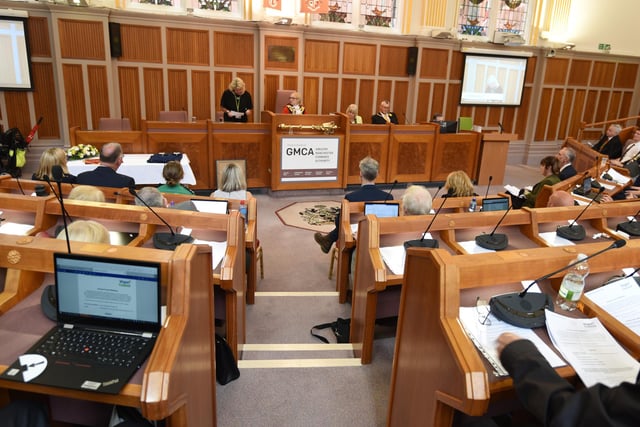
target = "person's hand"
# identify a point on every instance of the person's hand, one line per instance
(605, 198)
(505, 339)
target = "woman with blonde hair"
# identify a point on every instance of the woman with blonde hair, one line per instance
(458, 184)
(352, 114)
(87, 193)
(86, 231)
(236, 103)
(49, 158)
(233, 185)
(173, 174)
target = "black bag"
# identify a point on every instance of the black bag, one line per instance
(340, 329)
(226, 366)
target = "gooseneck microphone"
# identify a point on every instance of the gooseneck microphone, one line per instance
(575, 231)
(422, 242)
(486, 193)
(526, 310)
(630, 227)
(167, 241)
(390, 190)
(56, 171)
(493, 241)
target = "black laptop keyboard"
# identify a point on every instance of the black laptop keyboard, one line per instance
(94, 347)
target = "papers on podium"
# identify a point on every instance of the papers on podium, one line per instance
(621, 300)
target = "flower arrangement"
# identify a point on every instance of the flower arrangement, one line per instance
(82, 151)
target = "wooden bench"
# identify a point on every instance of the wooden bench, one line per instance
(176, 383)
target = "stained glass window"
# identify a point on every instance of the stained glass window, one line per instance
(474, 17)
(379, 13)
(339, 11)
(213, 5)
(512, 16)
(376, 13)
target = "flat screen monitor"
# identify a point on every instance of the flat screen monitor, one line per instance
(382, 209)
(15, 66)
(448, 126)
(496, 80)
(495, 204)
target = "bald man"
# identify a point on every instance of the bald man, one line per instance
(384, 115)
(560, 198)
(105, 175)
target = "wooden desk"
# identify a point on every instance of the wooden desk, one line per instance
(455, 151)
(493, 157)
(437, 370)
(178, 381)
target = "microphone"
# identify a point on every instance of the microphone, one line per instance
(575, 231)
(486, 193)
(501, 127)
(168, 241)
(422, 242)
(32, 134)
(439, 188)
(630, 227)
(495, 242)
(527, 310)
(392, 187)
(622, 277)
(56, 171)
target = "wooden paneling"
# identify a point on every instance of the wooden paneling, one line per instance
(566, 111)
(290, 82)
(177, 82)
(321, 56)
(438, 101)
(556, 72)
(98, 93)
(130, 95)
(508, 119)
(248, 79)
(453, 98)
(400, 96)
(233, 49)
(424, 106)
(410, 153)
(456, 66)
(626, 76)
(367, 106)
(543, 114)
(153, 92)
(602, 107)
(81, 39)
(74, 95)
(579, 74)
(330, 96)
(393, 61)
(18, 114)
(310, 94)
(434, 63)
(454, 151)
(349, 90)
(384, 93)
(554, 116)
(39, 43)
(590, 113)
(531, 70)
(287, 42)
(371, 140)
(221, 83)
(271, 85)
(625, 105)
(189, 47)
(45, 100)
(201, 89)
(359, 58)
(602, 74)
(614, 105)
(141, 43)
(194, 143)
(577, 113)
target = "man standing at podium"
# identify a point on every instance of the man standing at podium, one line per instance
(368, 192)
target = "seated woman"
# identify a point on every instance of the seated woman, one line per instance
(88, 193)
(48, 159)
(173, 174)
(86, 231)
(294, 106)
(352, 113)
(458, 184)
(549, 168)
(233, 185)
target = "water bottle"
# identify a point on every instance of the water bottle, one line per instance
(243, 211)
(572, 285)
(473, 205)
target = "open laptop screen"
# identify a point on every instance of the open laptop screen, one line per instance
(115, 293)
(382, 209)
(211, 206)
(495, 204)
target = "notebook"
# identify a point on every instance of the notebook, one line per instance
(108, 301)
(211, 206)
(495, 204)
(382, 209)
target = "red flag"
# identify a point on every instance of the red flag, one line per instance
(314, 6)
(273, 4)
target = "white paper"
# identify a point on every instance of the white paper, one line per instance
(512, 190)
(554, 240)
(594, 354)
(14, 228)
(354, 230)
(218, 249)
(485, 338)
(471, 247)
(534, 288)
(621, 299)
(394, 257)
(616, 177)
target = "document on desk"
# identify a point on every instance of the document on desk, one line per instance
(594, 354)
(617, 177)
(15, 229)
(218, 249)
(394, 257)
(484, 337)
(554, 240)
(471, 247)
(620, 299)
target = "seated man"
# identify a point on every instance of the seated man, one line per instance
(105, 174)
(565, 157)
(416, 200)
(368, 192)
(560, 198)
(154, 198)
(610, 144)
(384, 116)
(630, 155)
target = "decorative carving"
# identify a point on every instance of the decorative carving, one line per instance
(14, 257)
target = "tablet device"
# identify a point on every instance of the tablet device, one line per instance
(495, 204)
(382, 209)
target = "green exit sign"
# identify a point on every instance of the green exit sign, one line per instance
(604, 46)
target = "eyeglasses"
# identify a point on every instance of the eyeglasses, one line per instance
(483, 310)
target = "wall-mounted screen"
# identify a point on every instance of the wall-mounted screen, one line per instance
(15, 60)
(493, 80)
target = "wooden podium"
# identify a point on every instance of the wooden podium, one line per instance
(493, 157)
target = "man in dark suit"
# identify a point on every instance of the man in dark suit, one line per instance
(105, 174)
(565, 157)
(384, 116)
(610, 144)
(368, 192)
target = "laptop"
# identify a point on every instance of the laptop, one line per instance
(112, 304)
(495, 204)
(216, 206)
(382, 209)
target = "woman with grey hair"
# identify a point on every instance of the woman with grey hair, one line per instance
(233, 185)
(236, 103)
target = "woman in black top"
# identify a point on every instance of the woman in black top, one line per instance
(50, 158)
(236, 102)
